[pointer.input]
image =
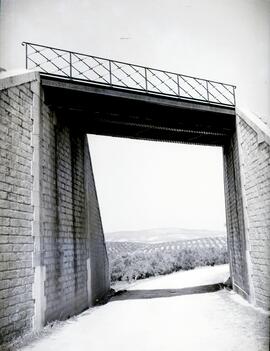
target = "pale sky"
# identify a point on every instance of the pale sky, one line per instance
(223, 40)
(144, 184)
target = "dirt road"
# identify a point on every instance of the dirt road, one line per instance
(210, 321)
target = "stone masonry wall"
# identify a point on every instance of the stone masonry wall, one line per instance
(255, 166)
(73, 242)
(53, 261)
(100, 280)
(235, 218)
(247, 194)
(63, 235)
(16, 211)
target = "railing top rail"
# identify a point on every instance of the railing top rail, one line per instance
(190, 88)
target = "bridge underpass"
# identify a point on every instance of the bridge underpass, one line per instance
(50, 207)
(97, 110)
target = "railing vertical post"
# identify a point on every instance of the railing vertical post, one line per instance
(110, 71)
(26, 56)
(207, 90)
(70, 64)
(234, 96)
(178, 85)
(146, 83)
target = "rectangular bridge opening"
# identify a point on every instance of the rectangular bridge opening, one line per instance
(77, 108)
(163, 211)
(119, 99)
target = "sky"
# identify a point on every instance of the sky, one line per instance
(222, 40)
(145, 184)
(141, 184)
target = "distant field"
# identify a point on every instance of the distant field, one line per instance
(137, 260)
(162, 235)
(114, 247)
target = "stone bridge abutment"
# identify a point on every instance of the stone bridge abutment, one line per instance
(53, 256)
(52, 251)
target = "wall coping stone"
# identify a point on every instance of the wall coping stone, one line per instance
(260, 127)
(13, 78)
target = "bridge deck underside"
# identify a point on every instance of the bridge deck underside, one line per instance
(115, 112)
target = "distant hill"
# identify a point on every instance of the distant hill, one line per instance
(161, 235)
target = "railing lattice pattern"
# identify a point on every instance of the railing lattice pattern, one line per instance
(77, 66)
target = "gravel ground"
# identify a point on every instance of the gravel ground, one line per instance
(213, 321)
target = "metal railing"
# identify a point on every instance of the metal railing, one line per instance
(117, 74)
